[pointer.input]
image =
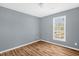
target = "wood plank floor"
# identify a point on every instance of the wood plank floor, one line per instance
(41, 49)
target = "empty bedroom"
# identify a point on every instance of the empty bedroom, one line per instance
(39, 29)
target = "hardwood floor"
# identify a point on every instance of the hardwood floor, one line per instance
(41, 49)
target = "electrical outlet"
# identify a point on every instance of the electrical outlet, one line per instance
(75, 43)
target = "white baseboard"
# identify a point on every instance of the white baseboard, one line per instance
(37, 41)
(60, 45)
(18, 46)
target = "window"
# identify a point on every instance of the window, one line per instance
(59, 28)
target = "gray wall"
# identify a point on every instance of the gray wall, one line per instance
(72, 29)
(17, 28)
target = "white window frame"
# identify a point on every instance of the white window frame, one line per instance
(64, 40)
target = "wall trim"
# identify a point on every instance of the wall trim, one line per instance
(60, 44)
(37, 41)
(18, 46)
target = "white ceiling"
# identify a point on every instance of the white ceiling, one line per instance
(40, 11)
